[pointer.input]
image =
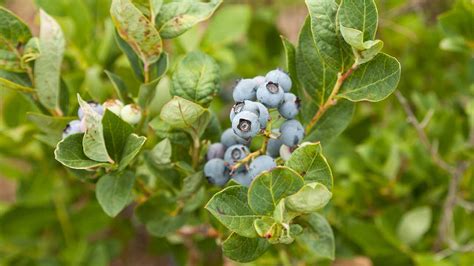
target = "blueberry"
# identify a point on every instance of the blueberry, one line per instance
(97, 108)
(259, 80)
(290, 106)
(260, 164)
(243, 178)
(280, 77)
(74, 127)
(263, 115)
(244, 106)
(235, 153)
(292, 132)
(216, 172)
(131, 113)
(215, 150)
(245, 90)
(113, 105)
(270, 94)
(228, 138)
(245, 124)
(273, 147)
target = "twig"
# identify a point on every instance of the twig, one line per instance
(341, 77)
(456, 174)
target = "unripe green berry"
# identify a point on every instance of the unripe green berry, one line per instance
(113, 105)
(131, 113)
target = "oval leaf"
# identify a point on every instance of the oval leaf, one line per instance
(243, 249)
(309, 161)
(48, 64)
(69, 152)
(134, 28)
(310, 198)
(317, 238)
(177, 17)
(196, 78)
(269, 188)
(372, 81)
(181, 113)
(230, 207)
(114, 191)
(361, 15)
(132, 148)
(116, 132)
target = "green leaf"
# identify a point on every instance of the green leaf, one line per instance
(159, 215)
(48, 64)
(93, 143)
(196, 78)
(310, 198)
(317, 238)
(7, 84)
(13, 31)
(264, 226)
(269, 188)
(146, 93)
(31, 52)
(312, 71)
(155, 6)
(243, 249)
(363, 51)
(9, 61)
(116, 132)
(373, 81)
(165, 130)
(361, 15)
(332, 123)
(133, 59)
(120, 87)
(326, 37)
(177, 17)
(161, 153)
(309, 161)
(191, 184)
(230, 207)
(181, 113)
(70, 153)
(230, 24)
(290, 53)
(414, 224)
(49, 124)
(132, 148)
(134, 28)
(114, 191)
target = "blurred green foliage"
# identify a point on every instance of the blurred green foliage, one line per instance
(389, 193)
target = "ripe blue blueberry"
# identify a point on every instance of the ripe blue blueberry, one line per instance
(215, 150)
(245, 90)
(259, 80)
(216, 172)
(244, 106)
(235, 153)
(263, 115)
(290, 106)
(292, 132)
(97, 108)
(245, 124)
(260, 164)
(281, 78)
(228, 138)
(273, 147)
(74, 127)
(270, 94)
(243, 178)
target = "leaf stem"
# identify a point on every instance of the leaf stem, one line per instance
(341, 77)
(196, 150)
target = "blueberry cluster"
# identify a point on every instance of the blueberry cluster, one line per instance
(130, 113)
(255, 99)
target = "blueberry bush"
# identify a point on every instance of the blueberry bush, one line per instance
(178, 132)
